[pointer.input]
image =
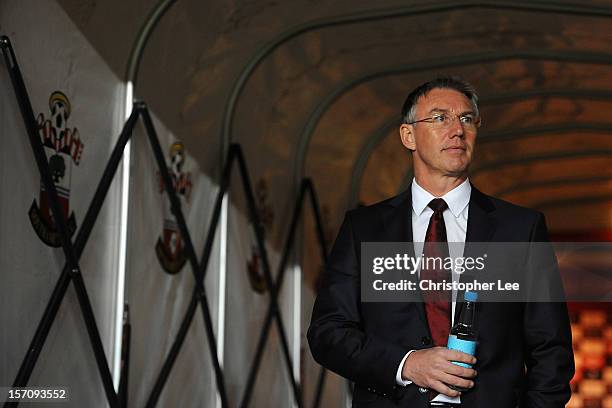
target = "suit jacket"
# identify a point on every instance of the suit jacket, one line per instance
(524, 354)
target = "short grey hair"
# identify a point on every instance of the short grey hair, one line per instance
(445, 82)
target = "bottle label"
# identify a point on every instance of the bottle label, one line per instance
(466, 346)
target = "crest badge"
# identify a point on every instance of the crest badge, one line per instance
(170, 247)
(63, 148)
(266, 219)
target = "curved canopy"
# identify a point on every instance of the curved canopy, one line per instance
(314, 89)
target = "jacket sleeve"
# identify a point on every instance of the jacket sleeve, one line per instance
(336, 336)
(549, 358)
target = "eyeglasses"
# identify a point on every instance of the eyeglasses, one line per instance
(441, 120)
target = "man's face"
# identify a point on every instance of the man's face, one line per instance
(445, 151)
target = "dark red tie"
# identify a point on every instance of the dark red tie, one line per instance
(437, 302)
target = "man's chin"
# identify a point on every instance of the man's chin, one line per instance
(457, 170)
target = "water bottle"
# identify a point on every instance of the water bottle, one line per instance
(462, 336)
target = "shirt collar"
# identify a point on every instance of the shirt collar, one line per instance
(457, 199)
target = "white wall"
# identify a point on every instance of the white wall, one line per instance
(245, 314)
(54, 56)
(158, 300)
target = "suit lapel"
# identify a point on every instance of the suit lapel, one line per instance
(397, 220)
(480, 228)
(481, 224)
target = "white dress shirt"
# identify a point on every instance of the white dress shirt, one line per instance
(455, 219)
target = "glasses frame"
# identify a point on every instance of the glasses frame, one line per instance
(477, 120)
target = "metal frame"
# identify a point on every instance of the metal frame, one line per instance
(72, 272)
(126, 340)
(234, 154)
(273, 312)
(382, 14)
(143, 37)
(199, 271)
(72, 252)
(306, 188)
(363, 157)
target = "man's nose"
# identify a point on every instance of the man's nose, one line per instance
(457, 127)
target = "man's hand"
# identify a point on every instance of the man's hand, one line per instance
(432, 368)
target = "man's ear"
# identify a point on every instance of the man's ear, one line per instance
(407, 136)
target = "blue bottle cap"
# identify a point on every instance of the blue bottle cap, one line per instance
(470, 296)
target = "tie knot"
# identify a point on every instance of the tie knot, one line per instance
(438, 205)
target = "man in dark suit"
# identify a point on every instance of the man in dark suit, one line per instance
(395, 351)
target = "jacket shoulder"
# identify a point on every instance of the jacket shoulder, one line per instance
(505, 209)
(368, 211)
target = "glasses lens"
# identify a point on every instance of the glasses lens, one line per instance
(469, 122)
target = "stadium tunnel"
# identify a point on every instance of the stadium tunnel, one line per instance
(306, 89)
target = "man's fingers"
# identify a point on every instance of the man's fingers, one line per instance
(459, 371)
(443, 389)
(456, 381)
(436, 371)
(454, 355)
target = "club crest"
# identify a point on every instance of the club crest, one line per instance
(63, 148)
(170, 247)
(266, 218)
